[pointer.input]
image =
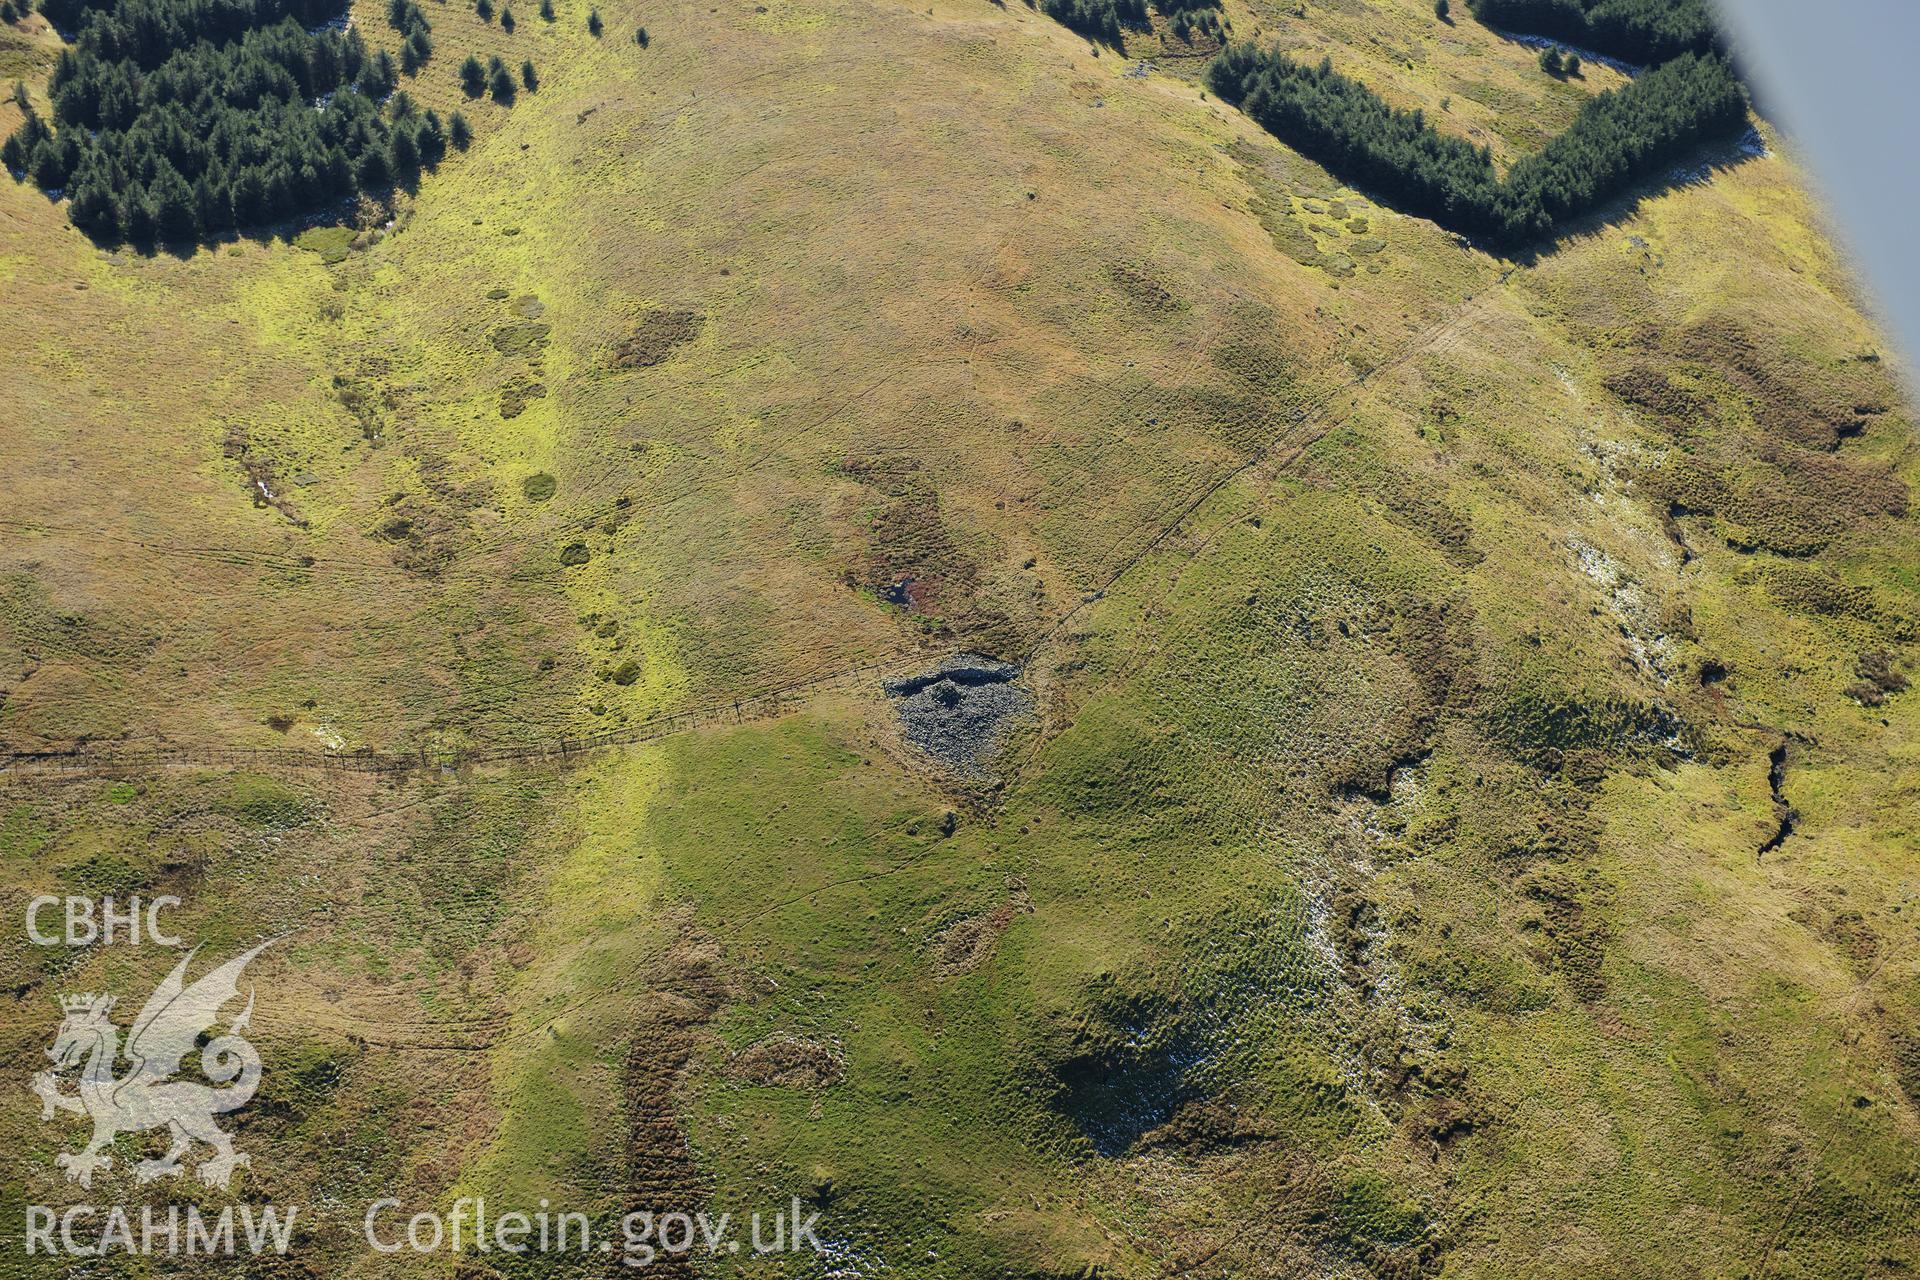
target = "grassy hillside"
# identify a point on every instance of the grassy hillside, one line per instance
(1465, 825)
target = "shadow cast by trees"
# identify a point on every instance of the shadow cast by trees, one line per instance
(180, 122)
(362, 212)
(1640, 32)
(1619, 139)
(1693, 169)
(1108, 21)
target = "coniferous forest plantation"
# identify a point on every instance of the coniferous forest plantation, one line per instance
(1617, 138)
(179, 119)
(1645, 31)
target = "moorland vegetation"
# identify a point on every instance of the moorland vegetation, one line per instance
(1617, 139)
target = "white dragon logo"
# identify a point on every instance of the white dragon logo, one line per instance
(147, 1096)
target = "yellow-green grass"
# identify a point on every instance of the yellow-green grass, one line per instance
(458, 31)
(1468, 79)
(1593, 1030)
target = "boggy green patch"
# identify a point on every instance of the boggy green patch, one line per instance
(1543, 725)
(1144, 1046)
(261, 801)
(520, 337)
(108, 871)
(329, 243)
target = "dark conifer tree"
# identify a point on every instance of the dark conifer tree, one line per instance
(212, 206)
(136, 217)
(378, 78)
(415, 52)
(1618, 138)
(250, 196)
(175, 217)
(374, 169)
(54, 159)
(405, 157)
(177, 118)
(93, 208)
(1643, 31)
(431, 139)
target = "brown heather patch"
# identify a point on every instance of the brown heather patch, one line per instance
(967, 944)
(911, 559)
(661, 1175)
(1141, 287)
(654, 338)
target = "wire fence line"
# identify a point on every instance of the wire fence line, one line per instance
(1304, 426)
(87, 759)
